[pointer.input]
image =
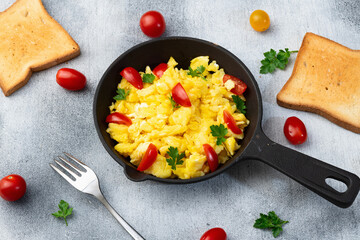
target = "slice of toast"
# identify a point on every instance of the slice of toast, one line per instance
(325, 80)
(30, 40)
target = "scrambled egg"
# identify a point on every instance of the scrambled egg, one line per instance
(154, 120)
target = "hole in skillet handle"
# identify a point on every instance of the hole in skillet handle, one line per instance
(337, 185)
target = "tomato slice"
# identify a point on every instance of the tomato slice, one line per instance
(211, 157)
(214, 234)
(118, 118)
(132, 76)
(149, 158)
(240, 86)
(231, 123)
(180, 96)
(160, 69)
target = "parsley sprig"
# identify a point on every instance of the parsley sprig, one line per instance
(122, 94)
(175, 158)
(148, 78)
(173, 103)
(198, 72)
(64, 211)
(219, 131)
(240, 104)
(271, 221)
(273, 60)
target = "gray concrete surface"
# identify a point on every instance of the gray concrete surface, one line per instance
(41, 120)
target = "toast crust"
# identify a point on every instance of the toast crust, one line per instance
(30, 40)
(326, 81)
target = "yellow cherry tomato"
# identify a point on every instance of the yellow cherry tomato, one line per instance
(259, 20)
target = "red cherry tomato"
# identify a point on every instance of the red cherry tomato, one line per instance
(12, 187)
(160, 69)
(118, 118)
(152, 24)
(240, 86)
(211, 157)
(180, 96)
(132, 76)
(149, 158)
(214, 234)
(70, 79)
(231, 123)
(295, 130)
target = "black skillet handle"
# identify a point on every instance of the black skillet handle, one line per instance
(304, 169)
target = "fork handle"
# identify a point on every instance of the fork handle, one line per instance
(123, 223)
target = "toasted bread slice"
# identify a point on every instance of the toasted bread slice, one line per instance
(30, 40)
(325, 80)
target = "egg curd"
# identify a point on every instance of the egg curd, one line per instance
(155, 120)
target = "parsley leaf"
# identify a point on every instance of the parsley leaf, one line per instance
(271, 221)
(198, 72)
(219, 131)
(64, 211)
(173, 103)
(121, 94)
(148, 78)
(175, 158)
(273, 60)
(240, 104)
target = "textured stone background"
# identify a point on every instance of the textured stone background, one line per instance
(41, 120)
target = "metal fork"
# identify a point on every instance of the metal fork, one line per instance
(87, 182)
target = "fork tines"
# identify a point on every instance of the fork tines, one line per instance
(68, 167)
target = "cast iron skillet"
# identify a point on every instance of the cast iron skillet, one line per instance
(304, 169)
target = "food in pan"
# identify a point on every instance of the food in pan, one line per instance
(180, 123)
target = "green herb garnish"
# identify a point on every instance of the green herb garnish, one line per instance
(273, 60)
(148, 78)
(175, 158)
(198, 72)
(219, 131)
(240, 104)
(271, 221)
(173, 103)
(64, 211)
(121, 94)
